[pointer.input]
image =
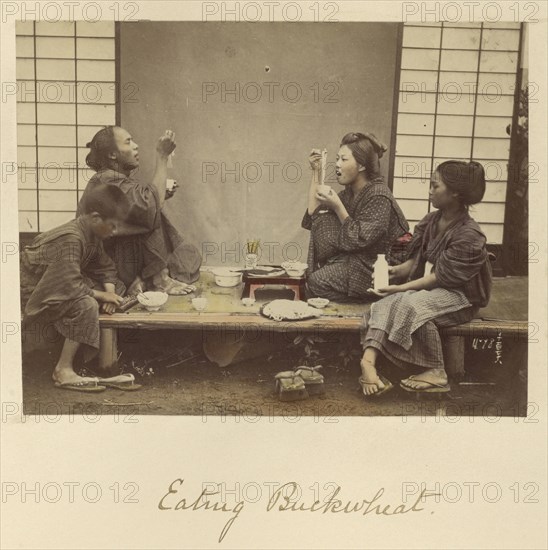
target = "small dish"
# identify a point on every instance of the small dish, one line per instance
(152, 301)
(248, 302)
(199, 304)
(319, 303)
(295, 269)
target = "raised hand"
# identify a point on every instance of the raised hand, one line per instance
(166, 144)
(315, 159)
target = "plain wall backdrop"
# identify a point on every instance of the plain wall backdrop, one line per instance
(248, 101)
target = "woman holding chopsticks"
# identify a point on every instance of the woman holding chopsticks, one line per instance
(349, 229)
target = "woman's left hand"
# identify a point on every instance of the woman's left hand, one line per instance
(107, 307)
(171, 192)
(330, 200)
(387, 290)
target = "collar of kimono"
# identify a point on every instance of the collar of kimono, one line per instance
(351, 199)
(435, 243)
(113, 176)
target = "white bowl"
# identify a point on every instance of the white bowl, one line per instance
(225, 277)
(319, 303)
(248, 301)
(325, 189)
(199, 304)
(152, 301)
(295, 269)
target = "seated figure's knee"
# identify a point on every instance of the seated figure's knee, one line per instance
(88, 306)
(316, 287)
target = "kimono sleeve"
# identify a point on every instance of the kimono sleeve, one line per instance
(309, 218)
(101, 268)
(144, 206)
(62, 279)
(368, 227)
(307, 221)
(462, 260)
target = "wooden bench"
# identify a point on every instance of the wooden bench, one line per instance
(506, 315)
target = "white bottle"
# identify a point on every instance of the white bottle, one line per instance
(380, 272)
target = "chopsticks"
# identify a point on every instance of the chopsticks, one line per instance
(324, 165)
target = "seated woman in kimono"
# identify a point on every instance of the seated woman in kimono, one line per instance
(348, 230)
(147, 249)
(446, 279)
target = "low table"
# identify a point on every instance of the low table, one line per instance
(506, 315)
(296, 284)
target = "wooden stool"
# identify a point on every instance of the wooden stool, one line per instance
(296, 284)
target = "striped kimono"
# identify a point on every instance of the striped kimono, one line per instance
(404, 326)
(341, 256)
(59, 271)
(146, 243)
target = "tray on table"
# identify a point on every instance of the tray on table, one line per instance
(254, 280)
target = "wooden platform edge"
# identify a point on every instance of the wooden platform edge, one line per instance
(212, 321)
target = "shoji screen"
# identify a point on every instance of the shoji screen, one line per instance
(66, 92)
(456, 99)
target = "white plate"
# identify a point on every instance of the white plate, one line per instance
(275, 273)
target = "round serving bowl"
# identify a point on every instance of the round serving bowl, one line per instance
(152, 301)
(319, 303)
(225, 277)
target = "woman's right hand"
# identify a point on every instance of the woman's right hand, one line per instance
(393, 272)
(315, 159)
(166, 144)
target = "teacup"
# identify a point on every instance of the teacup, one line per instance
(199, 304)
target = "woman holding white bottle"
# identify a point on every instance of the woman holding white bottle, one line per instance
(445, 280)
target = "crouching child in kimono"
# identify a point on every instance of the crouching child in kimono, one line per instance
(67, 278)
(446, 279)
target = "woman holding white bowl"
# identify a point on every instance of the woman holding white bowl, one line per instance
(349, 229)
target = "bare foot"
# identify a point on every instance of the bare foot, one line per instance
(68, 376)
(370, 381)
(431, 378)
(164, 283)
(173, 287)
(136, 287)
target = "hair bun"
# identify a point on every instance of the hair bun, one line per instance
(465, 178)
(380, 148)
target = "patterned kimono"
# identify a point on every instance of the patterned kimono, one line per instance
(341, 256)
(404, 326)
(146, 242)
(59, 271)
